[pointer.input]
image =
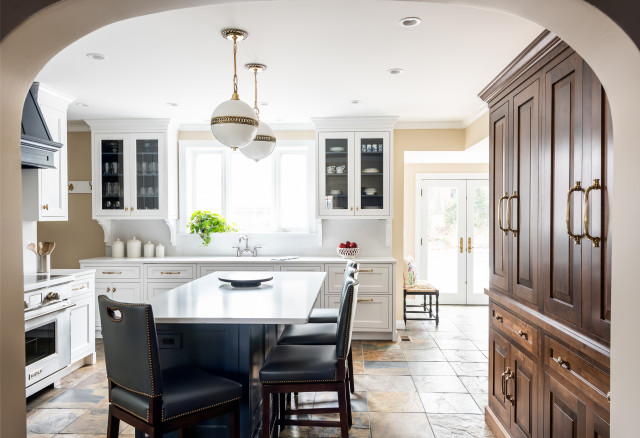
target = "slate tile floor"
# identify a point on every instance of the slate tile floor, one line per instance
(434, 386)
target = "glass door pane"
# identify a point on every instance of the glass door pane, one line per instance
(371, 165)
(336, 174)
(443, 229)
(147, 171)
(477, 241)
(112, 170)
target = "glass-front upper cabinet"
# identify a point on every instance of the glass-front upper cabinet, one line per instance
(131, 175)
(354, 174)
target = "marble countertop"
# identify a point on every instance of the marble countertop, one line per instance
(240, 260)
(34, 281)
(287, 299)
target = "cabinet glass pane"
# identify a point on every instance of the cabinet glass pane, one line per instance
(336, 178)
(112, 165)
(372, 174)
(147, 185)
(40, 342)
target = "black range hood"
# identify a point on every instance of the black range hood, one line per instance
(37, 148)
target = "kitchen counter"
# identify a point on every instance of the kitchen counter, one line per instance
(287, 299)
(232, 259)
(33, 281)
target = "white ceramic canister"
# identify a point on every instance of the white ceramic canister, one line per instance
(149, 249)
(159, 250)
(134, 248)
(117, 249)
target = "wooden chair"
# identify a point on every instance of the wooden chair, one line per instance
(312, 368)
(151, 399)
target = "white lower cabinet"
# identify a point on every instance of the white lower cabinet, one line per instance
(373, 312)
(308, 268)
(82, 327)
(124, 292)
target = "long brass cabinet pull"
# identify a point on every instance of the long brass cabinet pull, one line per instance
(510, 398)
(461, 245)
(112, 272)
(585, 214)
(370, 300)
(563, 363)
(170, 272)
(514, 196)
(503, 381)
(576, 188)
(504, 230)
(469, 247)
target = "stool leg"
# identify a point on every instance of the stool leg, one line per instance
(282, 397)
(234, 421)
(430, 306)
(424, 303)
(342, 405)
(113, 426)
(350, 364)
(405, 308)
(348, 394)
(437, 309)
(266, 413)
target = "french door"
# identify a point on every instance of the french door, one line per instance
(453, 238)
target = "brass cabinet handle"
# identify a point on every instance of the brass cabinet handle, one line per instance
(498, 318)
(45, 207)
(351, 208)
(126, 209)
(370, 300)
(131, 208)
(170, 272)
(504, 230)
(585, 213)
(511, 399)
(563, 363)
(461, 245)
(502, 380)
(523, 335)
(70, 187)
(108, 289)
(365, 270)
(514, 196)
(112, 272)
(114, 289)
(469, 247)
(78, 288)
(357, 208)
(576, 188)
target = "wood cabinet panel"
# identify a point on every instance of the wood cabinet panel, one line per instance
(523, 200)
(518, 331)
(596, 427)
(562, 255)
(498, 367)
(525, 416)
(563, 414)
(499, 145)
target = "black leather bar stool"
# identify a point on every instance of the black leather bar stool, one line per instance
(331, 315)
(312, 368)
(322, 333)
(151, 399)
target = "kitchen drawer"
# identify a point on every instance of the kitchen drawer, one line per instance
(82, 286)
(585, 376)
(516, 329)
(118, 272)
(373, 313)
(208, 269)
(373, 279)
(301, 268)
(178, 272)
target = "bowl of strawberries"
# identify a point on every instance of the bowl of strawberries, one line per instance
(348, 250)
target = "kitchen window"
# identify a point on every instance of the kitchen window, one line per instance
(272, 195)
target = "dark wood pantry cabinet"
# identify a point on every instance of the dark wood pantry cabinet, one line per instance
(551, 157)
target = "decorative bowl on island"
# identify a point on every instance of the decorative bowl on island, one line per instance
(348, 253)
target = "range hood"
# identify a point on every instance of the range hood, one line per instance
(36, 145)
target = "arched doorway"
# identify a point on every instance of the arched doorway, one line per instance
(601, 42)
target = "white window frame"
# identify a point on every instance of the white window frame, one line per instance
(187, 147)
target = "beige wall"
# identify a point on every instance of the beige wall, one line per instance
(410, 172)
(80, 237)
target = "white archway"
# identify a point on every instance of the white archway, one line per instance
(602, 43)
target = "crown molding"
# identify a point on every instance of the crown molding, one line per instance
(129, 124)
(430, 125)
(77, 126)
(51, 97)
(355, 123)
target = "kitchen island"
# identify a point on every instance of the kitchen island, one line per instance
(229, 331)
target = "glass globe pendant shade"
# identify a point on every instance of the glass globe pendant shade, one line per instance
(263, 144)
(234, 124)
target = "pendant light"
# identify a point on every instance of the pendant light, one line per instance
(265, 141)
(233, 122)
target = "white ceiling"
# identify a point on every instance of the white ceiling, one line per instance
(321, 55)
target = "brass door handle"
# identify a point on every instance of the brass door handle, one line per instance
(499, 318)
(514, 196)
(461, 245)
(370, 300)
(585, 214)
(469, 247)
(505, 196)
(511, 399)
(523, 335)
(502, 380)
(576, 188)
(563, 363)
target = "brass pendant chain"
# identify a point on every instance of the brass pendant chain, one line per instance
(255, 103)
(235, 74)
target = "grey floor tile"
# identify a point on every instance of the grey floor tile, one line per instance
(400, 425)
(459, 426)
(431, 369)
(439, 384)
(449, 403)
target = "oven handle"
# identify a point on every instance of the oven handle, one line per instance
(57, 309)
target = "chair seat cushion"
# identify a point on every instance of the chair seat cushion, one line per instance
(187, 389)
(323, 315)
(300, 364)
(309, 334)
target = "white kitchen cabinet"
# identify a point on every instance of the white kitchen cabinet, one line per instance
(373, 312)
(83, 319)
(134, 166)
(170, 272)
(354, 169)
(308, 268)
(372, 278)
(126, 292)
(44, 191)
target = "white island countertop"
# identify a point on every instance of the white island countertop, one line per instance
(287, 299)
(267, 260)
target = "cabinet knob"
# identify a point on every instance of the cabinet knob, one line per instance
(609, 396)
(108, 289)
(563, 363)
(522, 334)
(45, 207)
(126, 209)
(351, 208)
(498, 318)
(114, 289)
(357, 208)
(131, 208)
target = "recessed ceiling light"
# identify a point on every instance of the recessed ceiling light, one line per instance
(410, 21)
(96, 56)
(81, 104)
(395, 71)
(355, 101)
(172, 104)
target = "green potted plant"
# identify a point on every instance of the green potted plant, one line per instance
(204, 223)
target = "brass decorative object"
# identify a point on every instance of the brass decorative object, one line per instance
(502, 198)
(576, 188)
(585, 216)
(514, 196)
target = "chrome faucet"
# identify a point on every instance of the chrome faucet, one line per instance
(240, 251)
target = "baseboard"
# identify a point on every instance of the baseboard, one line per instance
(494, 424)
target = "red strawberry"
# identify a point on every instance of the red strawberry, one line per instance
(342, 245)
(353, 245)
(347, 243)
